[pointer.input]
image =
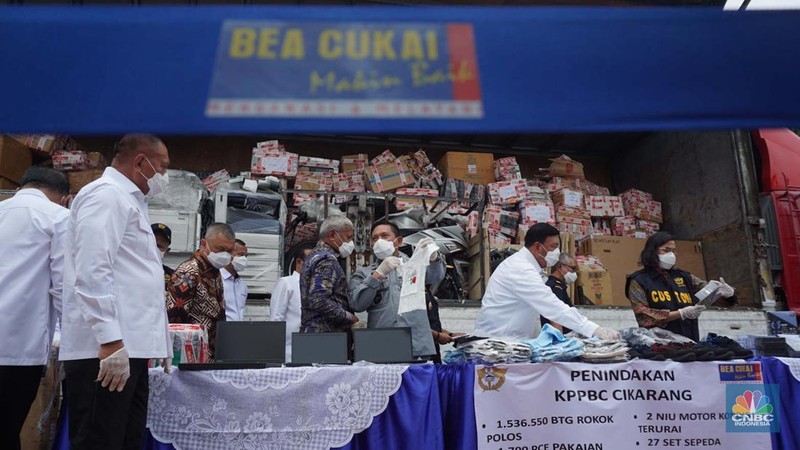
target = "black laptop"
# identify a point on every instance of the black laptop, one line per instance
(319, 348)
(383, 345)
(246, 345)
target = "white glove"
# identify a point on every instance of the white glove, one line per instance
(388, 266)
(424, 242)
(166, 363)
(725, 289)
(115, 370)
(691, 312)
(606, 334)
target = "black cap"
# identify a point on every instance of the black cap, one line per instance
(163, 229)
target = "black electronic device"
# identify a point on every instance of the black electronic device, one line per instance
(383, 345)
(319, 348)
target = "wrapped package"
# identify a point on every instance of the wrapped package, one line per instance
(322, 165)
(508, 192)
(636, 233)
(635, 196)
(595, 189)
(568, 197)
(274, 161)
(355, 162)
(403, 203)
(388, 176)
(47, 143)
(648, 227)
(472, 223)
(460, 189)
(556, 183)
(70, 160)
(184, 193)
(498, 238)
(310, 181)
(605, 206)
(566, 167)
(352, 181)
(189, 343)
(621, 225)
(385, 157)
(602, 227)
(522, 230)
(537, 211)
(215, 179)
(578, 230)
(572, 215)
(500, 220)
(534, 192)
(506, 169)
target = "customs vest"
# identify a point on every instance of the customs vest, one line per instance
(671, 292)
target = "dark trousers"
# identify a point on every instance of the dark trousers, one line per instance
(100, 419)
(18, 387)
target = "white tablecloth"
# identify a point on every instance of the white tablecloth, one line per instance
(276, 408)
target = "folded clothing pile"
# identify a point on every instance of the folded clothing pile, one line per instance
(489, 351)
(597, 350)
(660, 345)
(552, 345)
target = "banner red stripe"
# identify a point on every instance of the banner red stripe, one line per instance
(461, 46)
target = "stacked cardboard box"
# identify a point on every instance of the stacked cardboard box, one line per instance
(508, 193)
(388, 176)
(271, 158)
(426, 173)
(15, 158)
(318, 165)
(537, 211)
(355, 162)
(506, 169)
(215, 179)
(564, 166)
(477, 168)
(385, 157)
(605, 206)
(310, 181)
(416, 199)
(641, 205)
(650, 228)
(47, 143)
(70, 160)
(498, 220)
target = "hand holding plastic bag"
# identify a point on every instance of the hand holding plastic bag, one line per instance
(691, 312)
(424, 242)
(115, 370)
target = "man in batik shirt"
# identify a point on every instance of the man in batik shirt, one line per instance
(323, 284)
(195, 293)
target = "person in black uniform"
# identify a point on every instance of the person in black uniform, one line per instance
(564, 274)
(163, 236)
(662, 295)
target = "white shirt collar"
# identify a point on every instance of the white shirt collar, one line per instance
(531, 259)
(225, 274)
(122, 181)
(32, 191)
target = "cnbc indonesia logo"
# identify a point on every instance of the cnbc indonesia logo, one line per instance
(752, 409)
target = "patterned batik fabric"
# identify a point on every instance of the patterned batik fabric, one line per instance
(195, 295)
(323, 293)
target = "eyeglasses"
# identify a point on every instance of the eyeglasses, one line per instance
(668, 249)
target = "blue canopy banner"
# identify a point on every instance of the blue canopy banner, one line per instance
(192, 70)
(318, 69)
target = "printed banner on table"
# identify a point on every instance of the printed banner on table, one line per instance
(329, 69)
(635, 405)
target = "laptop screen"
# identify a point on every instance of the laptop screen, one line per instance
(251, 341)
(319, 348)
(382, 345)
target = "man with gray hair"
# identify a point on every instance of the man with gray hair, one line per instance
(195, 293)
(324, 297)
(564, 274)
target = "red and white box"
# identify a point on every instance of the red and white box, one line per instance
(622, 225)
(352, 181)
(557, 183)
(536, 211)
(472, 224)
(215, 179)
(320, 164)
(310, 181)
(498, 238)
(506, 169)
(605, 206)
(403, 203)
(649, 210)
(273, 161)
(635, 196)
(508, 192)
(648, 227)
(596, 189)
(602, 227)
(189, 343)
(386, 156)
(568, 197)
(71, 160)
(636, 233)
(578, 230)
(355, 162)
(572, 215)
(500, 220)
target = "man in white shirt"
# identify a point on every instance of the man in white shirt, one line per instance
(234, 288)
(284, 304)
(32, 231)
(517, 295)
(114, 315)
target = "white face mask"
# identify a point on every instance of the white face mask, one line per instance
(667, 260)
(157, 183)
(383, 249)
(551, 258)
(346, 248)
(239, 263)
(570, 278)
(219, 259)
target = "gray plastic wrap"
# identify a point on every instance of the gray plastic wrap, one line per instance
(254, 212)
(183, 193)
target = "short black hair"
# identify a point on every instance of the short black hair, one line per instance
(130, 143)
(394, 228)
(240, 242)
(43, 177)
(649, 257)
(539, 233)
